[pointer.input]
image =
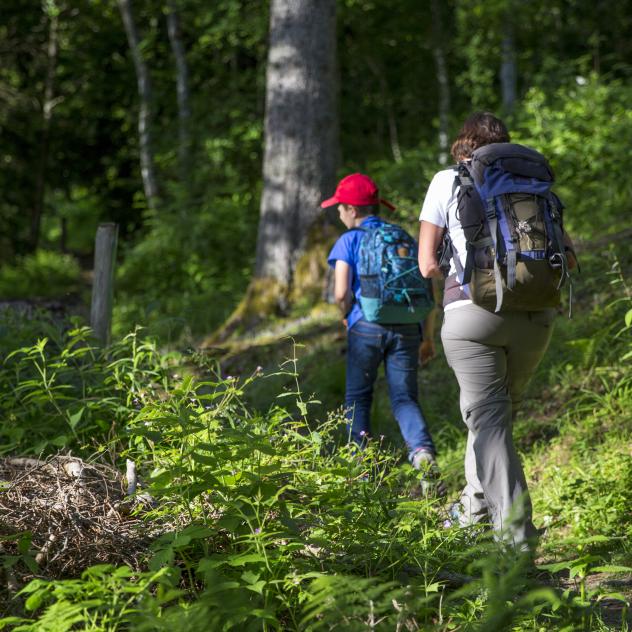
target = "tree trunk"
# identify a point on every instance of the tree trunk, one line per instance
(301, 131)
(508, 72)
(143, 80)
(48, 103)
(300, 156)
(182, 83)
(443, 82)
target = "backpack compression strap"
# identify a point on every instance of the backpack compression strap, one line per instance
(492, 221)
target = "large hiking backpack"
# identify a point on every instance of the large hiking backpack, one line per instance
(512, 222)
(392, 290)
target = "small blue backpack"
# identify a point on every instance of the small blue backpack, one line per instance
(392, 290)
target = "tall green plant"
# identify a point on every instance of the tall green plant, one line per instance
(64, 392)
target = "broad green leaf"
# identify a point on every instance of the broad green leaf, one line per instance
(31, 564)
(257, 586)
(247, 558)
(288, 394)
(36, 600)
(75, 418)
(250, 577)
(211, 563)
(204, 459)
(198, 531)
(33, 586)
(12, 621)
(611, 568)
(614, 595)
(556, 567)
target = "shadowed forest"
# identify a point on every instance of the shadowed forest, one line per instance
(186, 467)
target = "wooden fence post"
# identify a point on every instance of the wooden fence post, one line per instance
(103, 281)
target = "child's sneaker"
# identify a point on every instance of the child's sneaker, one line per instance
(430, 479)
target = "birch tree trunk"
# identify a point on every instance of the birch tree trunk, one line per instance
(301, 131)
(443, 82)
(48, 103)
(182, 84)
(147, 167)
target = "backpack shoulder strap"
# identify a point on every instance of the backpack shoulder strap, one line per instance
(467, 194)
(462, 176)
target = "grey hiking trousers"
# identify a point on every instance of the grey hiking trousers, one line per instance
(493, 357)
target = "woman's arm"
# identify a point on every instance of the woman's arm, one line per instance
(430, 236)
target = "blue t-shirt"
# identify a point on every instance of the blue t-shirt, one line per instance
(347, 249)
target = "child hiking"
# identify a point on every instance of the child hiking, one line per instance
(508, 256)
(383, 300)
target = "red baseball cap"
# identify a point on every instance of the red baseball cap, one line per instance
(356, 189)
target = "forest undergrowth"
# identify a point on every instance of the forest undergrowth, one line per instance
(252, 512)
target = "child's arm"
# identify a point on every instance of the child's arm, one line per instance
(342, 287)
(427, 350)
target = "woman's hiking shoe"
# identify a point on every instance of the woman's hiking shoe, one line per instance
(455, 516)
(430, 477)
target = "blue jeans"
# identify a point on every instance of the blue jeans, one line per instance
(398, 346)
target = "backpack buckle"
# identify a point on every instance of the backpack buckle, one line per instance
(556, 260)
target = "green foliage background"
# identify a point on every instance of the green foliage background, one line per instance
(269, 521)
(183, 268)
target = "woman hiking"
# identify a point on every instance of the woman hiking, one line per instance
(492, 347)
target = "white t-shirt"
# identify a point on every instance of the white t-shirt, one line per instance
(439, 208)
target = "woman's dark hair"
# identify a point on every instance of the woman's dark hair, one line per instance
(480, 128)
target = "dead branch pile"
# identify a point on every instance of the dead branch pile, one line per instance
(78, 515)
